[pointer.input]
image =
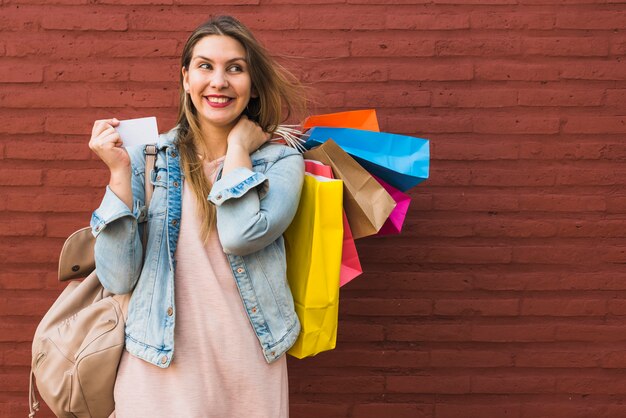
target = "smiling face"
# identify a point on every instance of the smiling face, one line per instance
(218, 81)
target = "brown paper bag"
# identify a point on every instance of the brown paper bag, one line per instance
(366, 202)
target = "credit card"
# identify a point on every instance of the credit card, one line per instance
(138, 131)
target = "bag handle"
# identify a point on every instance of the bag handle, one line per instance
(150, 151)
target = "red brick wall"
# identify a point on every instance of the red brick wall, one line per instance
(506, 294)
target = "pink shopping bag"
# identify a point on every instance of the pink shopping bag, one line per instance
(350, 263)
(394, 223)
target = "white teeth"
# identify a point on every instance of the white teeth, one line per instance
(218, 99)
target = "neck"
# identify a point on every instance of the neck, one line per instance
(214, 141)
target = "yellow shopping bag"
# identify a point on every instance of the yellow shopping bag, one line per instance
(313, 244)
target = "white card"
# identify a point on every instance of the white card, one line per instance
(138, 131)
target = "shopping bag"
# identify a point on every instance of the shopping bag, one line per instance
(313, 244)
(394, 223)
(357, 119)
(350, 263)
(365, 201)
(402, 161)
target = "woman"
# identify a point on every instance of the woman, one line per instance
(211, 314)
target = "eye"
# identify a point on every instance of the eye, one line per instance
(205, 66)
(235, 68)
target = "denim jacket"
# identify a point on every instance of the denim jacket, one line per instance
(254, 207)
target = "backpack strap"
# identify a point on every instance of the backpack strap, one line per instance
(151, 152)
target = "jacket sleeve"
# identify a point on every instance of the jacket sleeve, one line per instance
(118, 249)
(253, 208)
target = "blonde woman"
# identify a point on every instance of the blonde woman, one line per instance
(211, 314)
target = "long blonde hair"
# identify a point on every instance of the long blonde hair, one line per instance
(280, 95)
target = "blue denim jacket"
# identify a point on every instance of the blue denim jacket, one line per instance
(254, 207)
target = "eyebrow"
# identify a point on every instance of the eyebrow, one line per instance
(209, 59)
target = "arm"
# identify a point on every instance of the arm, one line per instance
(254, 209)
(118, 248)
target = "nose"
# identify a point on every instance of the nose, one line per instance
(219, 81)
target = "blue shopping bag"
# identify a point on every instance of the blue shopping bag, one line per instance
(400, 160)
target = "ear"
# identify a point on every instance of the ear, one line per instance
(185, 78)
(253, 93)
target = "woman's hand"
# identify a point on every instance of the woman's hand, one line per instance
(107, 144)
(247, 135)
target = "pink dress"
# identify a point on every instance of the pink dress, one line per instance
(218, 369)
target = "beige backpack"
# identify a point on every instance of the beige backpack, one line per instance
(79, 342)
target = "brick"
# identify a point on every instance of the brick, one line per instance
(562, 308)
(415, 125)
(376, 410)
(468, 98)
(511, 20)
(521, 125)
(36, 150)
(472, 201)
(92, 21)
(508, 384)
(43, 97)
(19, 18)
(478, 47)
(558, 47)
(505, 71)
(426, 21)
(431, 71)
(16, 73)
(62, 228)
(16, 331)
(133, 98)
(529, 178)
(593, 71)
(51, 202)
(336, 384)
(392, 47)
(524, 332)
(25, 306)
(20, 177)
(142, 2)
(346, 72)
(308, 47)
(314, 410)
(603, 20)
(75, 125)
(470, 358)
(467, 149)
(553, 409)
(595, 124)
(476, 307)
(77, 178)
(340, 17)
(562, 203)
(563, 254)
(383, 97)
(22, 279)
(371, 357)
(347, 332)
(567, 358)
(515, 228)
(32, 251)
(427, 332)
(21, 228)
(595, 333)
(84, 71)
(617, 46)
(545, 97)
(385, 307)
(609, 385)
(439, 384)
(24, 124)
(161, 70)
(443, 409)
(79, 47)
(449, 177)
